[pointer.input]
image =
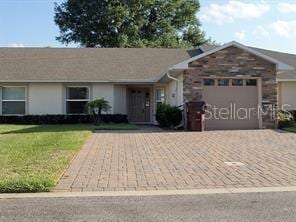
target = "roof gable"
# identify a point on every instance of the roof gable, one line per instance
(280, 65)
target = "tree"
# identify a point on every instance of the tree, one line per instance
(129, 23)
(96, 108)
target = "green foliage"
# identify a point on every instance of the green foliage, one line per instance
(290, 129)
(129, 23)
(285, 119)
(96, 108)
(27, 185)
(161, 112)
(32, 157)
(174, 115)
(116, 126)
(168, 116)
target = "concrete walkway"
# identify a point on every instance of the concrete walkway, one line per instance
(145, 160)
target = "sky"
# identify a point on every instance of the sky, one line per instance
(269, 24)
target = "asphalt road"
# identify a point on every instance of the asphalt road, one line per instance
(280, 206)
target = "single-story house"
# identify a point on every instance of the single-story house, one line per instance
(39, 81)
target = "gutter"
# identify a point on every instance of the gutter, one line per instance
(125, 81)
(173, 78)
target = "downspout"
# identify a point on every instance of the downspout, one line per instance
(182, 124)
(176, 89)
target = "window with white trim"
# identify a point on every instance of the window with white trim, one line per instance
(76, 99)
(13, 100)
(159, 96)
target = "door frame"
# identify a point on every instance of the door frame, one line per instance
(151, 99)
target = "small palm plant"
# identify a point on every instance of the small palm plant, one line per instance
(96, 107)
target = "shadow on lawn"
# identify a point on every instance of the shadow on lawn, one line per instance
(93, 128)
(51, 128)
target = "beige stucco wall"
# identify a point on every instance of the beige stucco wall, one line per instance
(119, 101)
(174, 92)
(104, 90)
(45, 98)
(287, 94)
(49, 98)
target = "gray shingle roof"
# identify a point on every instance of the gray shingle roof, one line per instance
(102, 64)
(88, 64)
(287, 58)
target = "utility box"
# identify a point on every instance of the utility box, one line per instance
(195, 112)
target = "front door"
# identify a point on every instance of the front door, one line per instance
(139, 105)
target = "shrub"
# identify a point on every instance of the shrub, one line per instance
(285, 119)
(161, 112)
(293, 112)
(61, 119)
(168, 116)
(96, 108)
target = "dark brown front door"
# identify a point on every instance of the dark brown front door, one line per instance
(139, 105)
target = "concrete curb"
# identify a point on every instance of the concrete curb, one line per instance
(147, 193)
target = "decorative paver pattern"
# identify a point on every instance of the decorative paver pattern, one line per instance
(182, 160)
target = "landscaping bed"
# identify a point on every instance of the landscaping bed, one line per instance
(33, 157)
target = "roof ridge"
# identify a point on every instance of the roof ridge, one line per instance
(255, 48)
(70, 48)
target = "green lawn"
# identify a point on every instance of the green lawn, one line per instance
(116, 126)
(33, 157)
(290, 129)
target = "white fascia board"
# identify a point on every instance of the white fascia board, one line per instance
(280, 65)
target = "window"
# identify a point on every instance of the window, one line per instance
(76, 100)
(237, 82)
(223, 82)
(209, 82)
(13, 100)
(160, 96)
(251, 82)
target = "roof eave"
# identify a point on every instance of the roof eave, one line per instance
(79, 81)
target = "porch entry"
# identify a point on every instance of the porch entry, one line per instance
(139, 105)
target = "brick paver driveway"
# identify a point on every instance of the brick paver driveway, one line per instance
(182, 160)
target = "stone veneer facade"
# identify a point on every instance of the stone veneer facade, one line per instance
(233, 61)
